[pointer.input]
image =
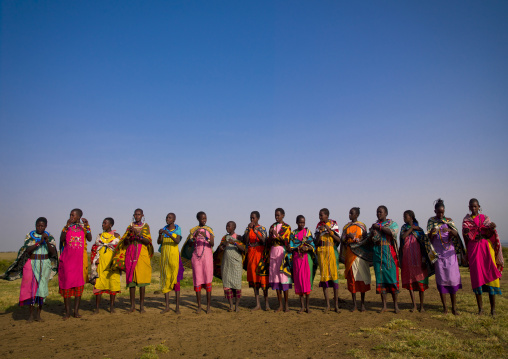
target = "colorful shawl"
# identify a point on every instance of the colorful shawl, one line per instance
(426, 247)
(327, 253)
(479, 228)
(118, 262)
(362, 248)
(98, 245)
(436, 223)
(307, 241)
(259, 228)
(246, 239)
(189, 245)
(172, 234)
(218, 255)
(264, 263)
(15, 270)
(168, 259)
(378, 236)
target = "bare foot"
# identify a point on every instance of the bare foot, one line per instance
(237, 309)
(142, 310)
(421, 310)
(112, 310)
(308, 310)
(65, 317)
(230, 309)
(353, 310)
(455, 312)
(362, 309)
(30, 320)
(327, 309)
(165, 310)
(337, 310)
(300, 311)
(208, 310)
(382, 310)
(445, 311)
(177, 311)
(39, 319)
(198, 311)
(493, 313)
(255, 308)
(396, 310)
(77, 315)
(480, 312)
(96, 311)
(267, 308)
(132, 310)
(286, 310)
(278, 309)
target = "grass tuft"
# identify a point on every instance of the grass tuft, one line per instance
(161, 348)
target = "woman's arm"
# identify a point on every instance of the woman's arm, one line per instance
(159, 238)
(404, 235)
(88, 233)
(177, 239)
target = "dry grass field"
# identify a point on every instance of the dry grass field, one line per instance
(251, 334)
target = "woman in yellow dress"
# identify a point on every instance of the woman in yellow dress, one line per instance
(171, 263)
(133, 255)
(327, 238)
(104, 279)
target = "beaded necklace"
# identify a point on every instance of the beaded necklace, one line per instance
(446, 244)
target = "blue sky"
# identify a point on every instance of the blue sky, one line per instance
(230, 107)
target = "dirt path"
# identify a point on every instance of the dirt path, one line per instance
(219, 334)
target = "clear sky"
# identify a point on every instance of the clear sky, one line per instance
(230, 107)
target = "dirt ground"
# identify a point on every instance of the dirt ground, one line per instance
(217, 335)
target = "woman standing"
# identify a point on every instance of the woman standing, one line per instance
(171, 263)
(105, 280)
(484, 254)
(231, 265)
(302, 247)
(36, 264)
(383, 234)
(327, 239)
(450, 252)
(202, 238)
(255, 237)
(415, 267)
(73, 263)
(356, 257)
(133, 255)
(279, 279)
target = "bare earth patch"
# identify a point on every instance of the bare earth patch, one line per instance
(252, 334)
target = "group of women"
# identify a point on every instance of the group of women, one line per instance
(278, 259)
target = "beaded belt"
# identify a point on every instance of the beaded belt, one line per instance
(39, 256)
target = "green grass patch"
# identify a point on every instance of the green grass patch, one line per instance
(4, 264)
(402, 338)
